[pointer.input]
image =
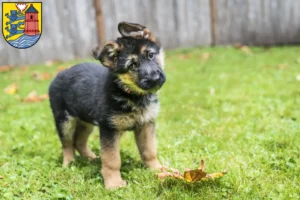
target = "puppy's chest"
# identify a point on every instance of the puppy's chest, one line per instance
(127, 121)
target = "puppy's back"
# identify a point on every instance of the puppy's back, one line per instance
(78, 88)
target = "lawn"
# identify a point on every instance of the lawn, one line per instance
(239, 109)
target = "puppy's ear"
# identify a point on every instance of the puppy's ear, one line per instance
(127, 29)
(107, 54)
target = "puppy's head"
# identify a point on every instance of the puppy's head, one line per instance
(136, 59)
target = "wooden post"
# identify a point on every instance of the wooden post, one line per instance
(213, 22)
(99, 21)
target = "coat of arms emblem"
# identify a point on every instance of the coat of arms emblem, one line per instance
(22, 23)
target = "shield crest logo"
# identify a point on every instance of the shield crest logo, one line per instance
(22, 23)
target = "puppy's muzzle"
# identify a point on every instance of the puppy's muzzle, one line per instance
(155, 79)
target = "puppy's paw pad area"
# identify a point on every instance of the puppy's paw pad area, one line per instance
(115, 184)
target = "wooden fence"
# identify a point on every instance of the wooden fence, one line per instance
(71, 27)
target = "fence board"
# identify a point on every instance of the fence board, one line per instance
(69, 26)
(175, 23)
(258, 22)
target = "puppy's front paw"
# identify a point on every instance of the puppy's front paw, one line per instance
(153, 164)
(112, 179)
(114, 184)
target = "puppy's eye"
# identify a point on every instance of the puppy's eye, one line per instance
(150, 56)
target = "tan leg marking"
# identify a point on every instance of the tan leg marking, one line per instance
(111, 163)
(82, 133)
(68, 152)
(145, 140)
(68, 129)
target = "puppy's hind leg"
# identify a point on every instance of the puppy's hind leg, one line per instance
(82, 132)
(66, 125)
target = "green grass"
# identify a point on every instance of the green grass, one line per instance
(238, 111)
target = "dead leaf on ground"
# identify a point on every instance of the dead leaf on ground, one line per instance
(212, 91)
(24, 68)
(164, 173)
(246, 49)
(243, 48)
(5, 68)
(183, 56)
(205, 56)
(237, 45)
(61, 68)
(282, 66)
(190, 175)
(33, 97)
(11, 89)
(41, 76)
(50, 63)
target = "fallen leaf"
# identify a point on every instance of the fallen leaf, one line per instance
(237, 45)
(246, 49)
(50, 63)
(205, 56)
(164, 173)
(5, 68)
(61, 68)
(11, 89)
(33, 97)
(24, 68)
(282, 66)
(212, 91)
(184, 57)
(44, 97)
(42, 77)
(243, 48)
(190, 175)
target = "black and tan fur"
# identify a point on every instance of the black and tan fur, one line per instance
(117, 96)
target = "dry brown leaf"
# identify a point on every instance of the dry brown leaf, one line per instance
(50, 63)
(282, 66)
(11, 89)
(184, 57)
(164, 173)
(44, 97)
(33, 97)
(246, 49)
(5, 68)
(24, 68)
(61, 68)
(190, 175)
(237, 45)
(243, 48)
(205, 56)
(41, 76)
(212, 91)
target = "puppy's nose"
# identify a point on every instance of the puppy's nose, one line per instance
(151, 81)
(154, 78)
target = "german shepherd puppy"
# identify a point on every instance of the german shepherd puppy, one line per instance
(117, 96)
